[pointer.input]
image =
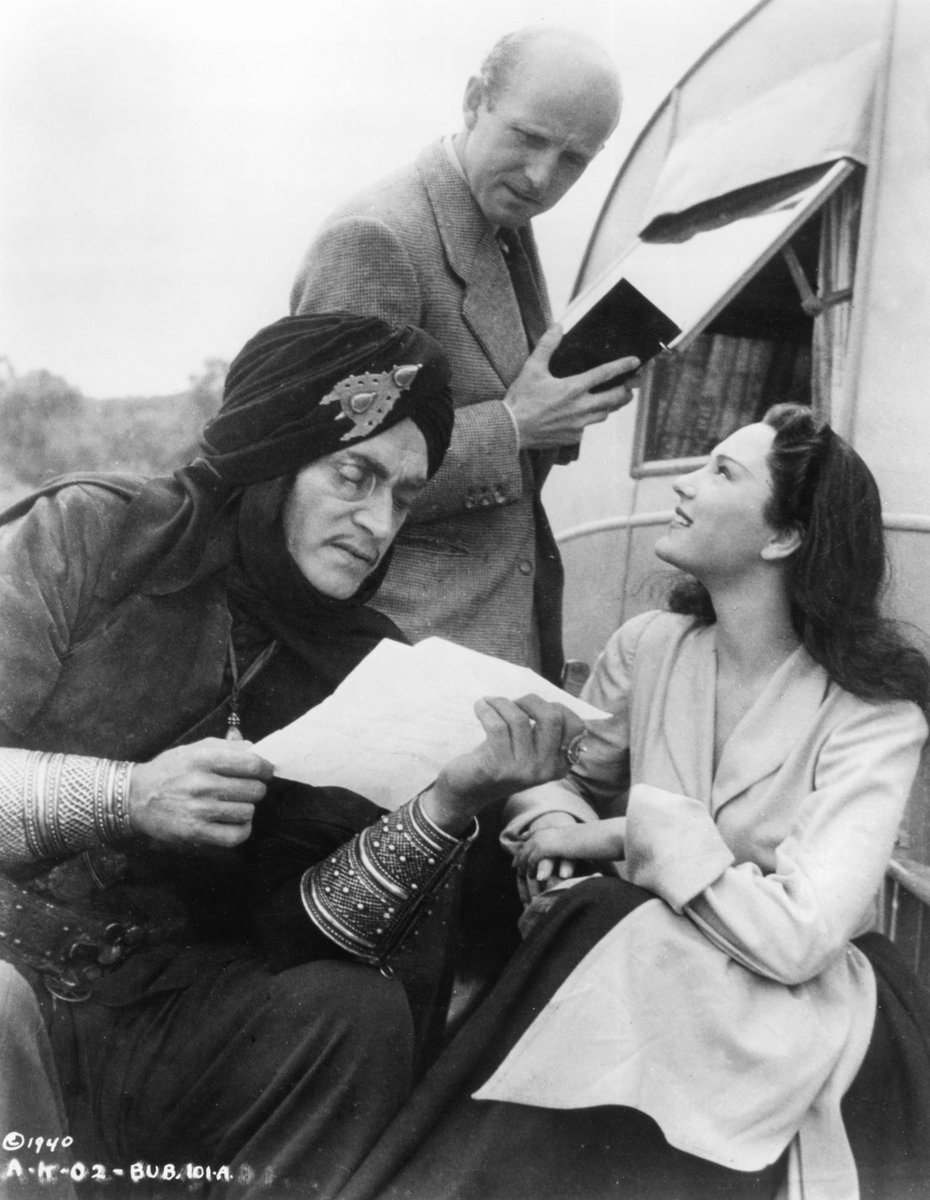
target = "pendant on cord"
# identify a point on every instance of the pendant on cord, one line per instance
(233, 732)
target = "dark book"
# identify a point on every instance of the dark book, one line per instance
(610, 319)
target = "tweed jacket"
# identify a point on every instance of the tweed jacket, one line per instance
(732, 1008)
(476, 555)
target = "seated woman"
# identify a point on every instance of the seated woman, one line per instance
(207, 1002)
(712, 1022)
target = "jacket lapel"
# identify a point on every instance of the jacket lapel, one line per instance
(688, 716)
(489, 306)
(766, 735)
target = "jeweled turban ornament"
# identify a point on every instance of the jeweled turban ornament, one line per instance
(367, 399)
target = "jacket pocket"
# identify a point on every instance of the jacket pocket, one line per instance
(429, 543)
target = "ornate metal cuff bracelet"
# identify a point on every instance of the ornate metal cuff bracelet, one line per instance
(69, 802)
(368, 896)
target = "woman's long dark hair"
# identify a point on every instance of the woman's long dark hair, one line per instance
(835, 578)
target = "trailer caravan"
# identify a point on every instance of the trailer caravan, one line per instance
(777, 206)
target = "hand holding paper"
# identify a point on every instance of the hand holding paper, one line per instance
(400, 717)
(524, 745)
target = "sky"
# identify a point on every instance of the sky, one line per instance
(166, 162)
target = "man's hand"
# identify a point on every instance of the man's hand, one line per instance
(202, 795)
(525, 745)
(549, 411)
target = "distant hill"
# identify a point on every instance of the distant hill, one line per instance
(48, 427)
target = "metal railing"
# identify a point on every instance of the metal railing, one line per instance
(904, 916)
(896, 522)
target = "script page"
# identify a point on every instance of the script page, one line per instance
(399, 717)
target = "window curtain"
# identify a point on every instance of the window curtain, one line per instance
(836, 273)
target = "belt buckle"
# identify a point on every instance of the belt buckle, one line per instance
(71, 990)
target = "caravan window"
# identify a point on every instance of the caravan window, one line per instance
(762, 295)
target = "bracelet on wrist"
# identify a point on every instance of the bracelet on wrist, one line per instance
(369, 895)
(71, 801)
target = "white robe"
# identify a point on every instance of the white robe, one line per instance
(732, 1008)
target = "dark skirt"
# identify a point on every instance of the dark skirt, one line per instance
(444, 1144)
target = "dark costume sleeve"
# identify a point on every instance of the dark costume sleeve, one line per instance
(48, 565)
(295, 828)
(330, 865)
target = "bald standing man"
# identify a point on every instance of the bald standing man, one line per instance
(446, 243)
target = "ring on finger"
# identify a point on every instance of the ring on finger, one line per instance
(574, 750)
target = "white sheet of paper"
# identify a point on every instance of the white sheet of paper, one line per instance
(399, 717)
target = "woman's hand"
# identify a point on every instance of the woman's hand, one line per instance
(548, 870)
(201, 795)
(534, 861)
(525, 745)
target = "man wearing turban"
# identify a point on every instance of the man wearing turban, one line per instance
(209, 996)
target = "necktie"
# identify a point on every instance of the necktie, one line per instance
(534, 322)
(524, 284)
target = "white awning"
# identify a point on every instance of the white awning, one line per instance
(815, 117)
(790, 88)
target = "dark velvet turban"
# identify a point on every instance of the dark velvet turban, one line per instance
(307, 386)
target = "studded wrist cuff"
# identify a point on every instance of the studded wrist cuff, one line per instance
(368, 896)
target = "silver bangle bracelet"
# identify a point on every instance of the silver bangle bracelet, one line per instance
(70, 802)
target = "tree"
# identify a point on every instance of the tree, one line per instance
(41, 425)
(206, 390)
(47, 427)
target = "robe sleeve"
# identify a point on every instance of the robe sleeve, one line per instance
(48, 563)
(49, 560)
(790, 923)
